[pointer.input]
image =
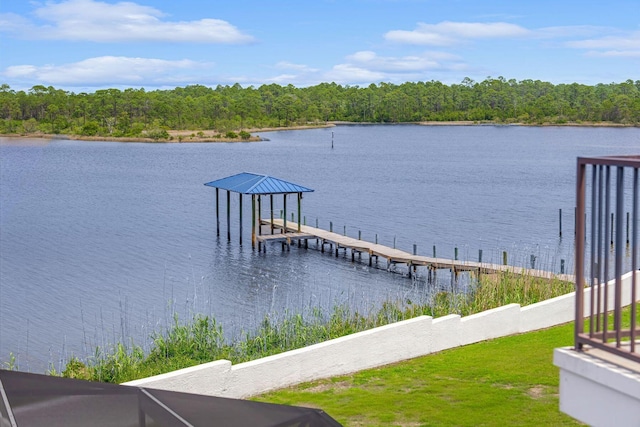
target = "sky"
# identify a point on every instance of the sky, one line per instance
(86, 45)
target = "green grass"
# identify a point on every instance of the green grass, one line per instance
(202, 340)
(502, 382)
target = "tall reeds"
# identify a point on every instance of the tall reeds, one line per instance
(202, 340)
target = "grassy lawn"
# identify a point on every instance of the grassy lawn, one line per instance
(502, 382)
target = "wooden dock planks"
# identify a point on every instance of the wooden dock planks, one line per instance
(397, 256)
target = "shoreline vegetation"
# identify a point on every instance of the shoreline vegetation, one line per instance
(201, 339)
(198, 113)
(208, 136)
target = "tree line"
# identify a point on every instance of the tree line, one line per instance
(137, 112)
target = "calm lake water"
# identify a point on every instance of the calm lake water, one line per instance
(105, 240)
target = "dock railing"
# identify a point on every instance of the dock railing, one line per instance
(607, 204)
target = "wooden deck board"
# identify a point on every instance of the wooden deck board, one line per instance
(397, 256)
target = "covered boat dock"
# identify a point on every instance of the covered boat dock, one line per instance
(256, 185)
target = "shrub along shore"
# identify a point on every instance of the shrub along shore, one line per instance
(251, 135)
(202, 339)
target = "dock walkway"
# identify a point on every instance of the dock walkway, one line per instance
(390, 255)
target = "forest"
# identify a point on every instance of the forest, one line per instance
(230, 109)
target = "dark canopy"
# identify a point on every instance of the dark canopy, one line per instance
(39, 400)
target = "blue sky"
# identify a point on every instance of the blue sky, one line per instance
(84, 45)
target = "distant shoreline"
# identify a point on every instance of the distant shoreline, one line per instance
(197, 136)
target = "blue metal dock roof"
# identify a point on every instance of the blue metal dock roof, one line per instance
(251, 183)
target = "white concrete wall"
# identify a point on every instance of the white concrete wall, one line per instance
(376, 347)
(597, 392)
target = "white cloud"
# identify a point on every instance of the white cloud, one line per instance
(347, 73)
(90, 20)
(614, 54)
(449, 33)
(298, 67)
(631, 41)
(109, 70)
(427, 61)
(620, 46)
(283, 79)
(368, 66)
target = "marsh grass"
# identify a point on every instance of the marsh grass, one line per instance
(202, 339)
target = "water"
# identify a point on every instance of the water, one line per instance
(105, 240)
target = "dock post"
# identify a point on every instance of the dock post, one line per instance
(455, 253)
(504, 257)
(611, 228)
(415, 249)
(627, 228)
(560, 222)
(561, 266)
(344, 233)
(259, 215)
(240, 194)
(360, 235)
(479, 255)
(253, 221)
(376, 238)
(284, 216)
(228, 215)
(394, 242)
(300, 211)
(533, 261)
(434, 251)
(217, 212)
(331, 226)
(271, 201)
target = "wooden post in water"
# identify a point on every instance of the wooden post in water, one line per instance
(299, 211)
(228, 215)
(560, 218)
(259, 215)
(627, 228)
(612, 228)
(561, 266)
(271, 201)
(284, 229)
(456, 254)
(415, 249)
(240, 237)
(253, 221)
(504, 257)
(479, 255)
(217, 212)
(434, 251)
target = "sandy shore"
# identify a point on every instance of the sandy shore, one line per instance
(178, 136)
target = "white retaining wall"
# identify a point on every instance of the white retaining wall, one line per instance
(368, 349)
